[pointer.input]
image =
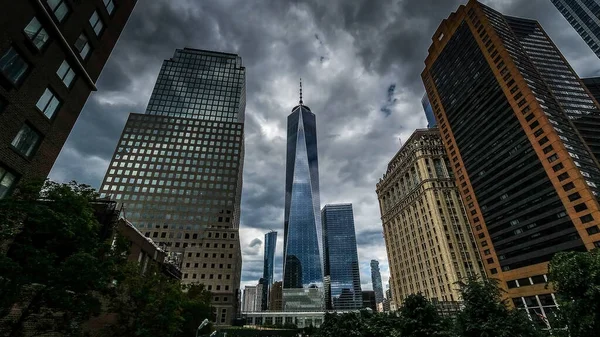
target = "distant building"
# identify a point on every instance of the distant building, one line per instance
(51, 54)
(269, 262)
(377, 284)
(300, 319)
(342, 273)
(421, 211)
(302, 244)
(276, 297)
(261, 295)
(431, 123)
(368, 300)
(584, 16)
(249, 299)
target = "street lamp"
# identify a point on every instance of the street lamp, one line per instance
(202, 325)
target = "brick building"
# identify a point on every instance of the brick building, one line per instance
(51, 54)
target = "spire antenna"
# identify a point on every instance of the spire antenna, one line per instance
(301, 91)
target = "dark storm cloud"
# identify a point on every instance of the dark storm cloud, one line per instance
(348, 53)
(255, 242)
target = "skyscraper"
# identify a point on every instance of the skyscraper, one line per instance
(302, 247)
(177, 170)
(51, 54)
(269, 261)
(431, 123)
(377, 284)
(589, 124)
(341, 258)
(428, 239)
(529, 182)
(584, 16)
(249, 300)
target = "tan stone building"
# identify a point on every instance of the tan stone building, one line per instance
(427, 235)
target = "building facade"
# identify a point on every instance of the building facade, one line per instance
(590, 123)
(368, 298)
(377, 284)
(428, 239)
(51, 54)
(431, 123)
(340, 258)
(302, 248)
(269, 261)
(300, 319)
(249, 299)
(276, 296)
(527, 178)
(177, 170)
(584, 16)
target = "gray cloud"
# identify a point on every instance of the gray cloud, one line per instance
(255, 242)
(348, 54)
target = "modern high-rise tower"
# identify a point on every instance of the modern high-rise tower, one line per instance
(508, 106)
(377, 284)
(51, 54)
(177, 170)
(340, 258)
(302, 247)
(584, 16)
(589, 124)
(431, 123)
(269, 261)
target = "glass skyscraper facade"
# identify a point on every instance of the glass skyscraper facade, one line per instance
(584, 16)
(302, 267)
(377, 284)
(431, 123)
(269, 261)
(340, 258)
(177, 170)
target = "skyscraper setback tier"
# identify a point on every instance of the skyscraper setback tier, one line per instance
(499, 88)
(179, 178)
(51, 54)
(302, 268)
(340, 258)
(584, 16)
(428, 239)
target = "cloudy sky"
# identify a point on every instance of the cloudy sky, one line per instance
(360, 62)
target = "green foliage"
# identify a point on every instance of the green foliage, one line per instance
(486, 315)
(56, 267)
(576, 280)
(420, 318)
(194, 309)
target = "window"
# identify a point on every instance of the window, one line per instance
(13, 66)
(59, 8)
(48, 103)
(581, 207)
(66, 73)
(26, 140)
(593, 230)
(7, 182)
(110, 6)
(36, 33)
(574, 196)
(83, 46)
(586, 218)
(96, 23)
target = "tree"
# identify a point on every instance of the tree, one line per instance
(486, 315)
(194, 309)
(146, 304)
(419, 318)
(57, 266)
(576, 280)
(348, 325)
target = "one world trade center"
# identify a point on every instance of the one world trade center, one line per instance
(302, 267)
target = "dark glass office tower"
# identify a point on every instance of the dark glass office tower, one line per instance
(302, 267)
(507, 105)
(177, 170)
(340, 258)
(588, 124)
(51, 54)
(377, 284)
(269, 261)
(584, 16)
